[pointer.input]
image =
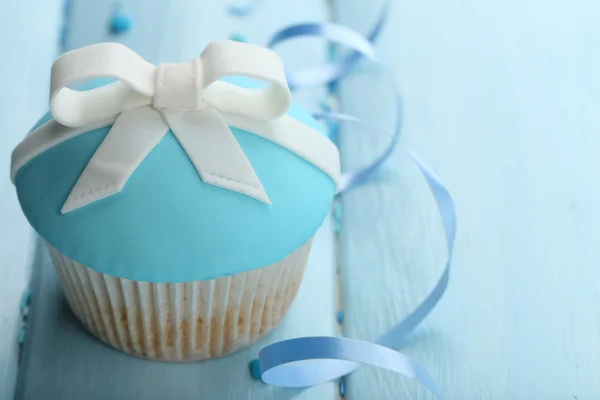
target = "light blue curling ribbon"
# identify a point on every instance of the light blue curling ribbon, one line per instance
(333, 72)
(335, 357)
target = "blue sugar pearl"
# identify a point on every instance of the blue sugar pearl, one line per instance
(342, 387)
(254, 368)
(340, 317)
(25, 299)
(332, 87)
(120, 24)
(238, 37)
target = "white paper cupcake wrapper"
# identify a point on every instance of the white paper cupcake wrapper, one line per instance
(181, 321)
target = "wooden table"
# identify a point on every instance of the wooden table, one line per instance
(501, 98)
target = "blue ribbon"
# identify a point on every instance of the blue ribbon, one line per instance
(335, 357)
(333, 72)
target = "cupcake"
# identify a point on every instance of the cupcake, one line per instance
(178, 203)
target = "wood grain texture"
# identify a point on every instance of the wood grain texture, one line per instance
(501, 98)
(61, 361)
(28, 46)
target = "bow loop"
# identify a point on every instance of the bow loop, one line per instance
(242, 59)
(75, 108)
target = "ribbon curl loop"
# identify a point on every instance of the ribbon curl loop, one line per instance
(334, 357)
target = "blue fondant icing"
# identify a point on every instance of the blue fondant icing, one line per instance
(166, 225)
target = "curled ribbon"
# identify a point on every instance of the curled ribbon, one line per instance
(186, 98)
(334, 357)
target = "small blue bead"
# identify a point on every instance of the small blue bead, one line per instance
(332, 87)
(340, 317)
(332, 57)
(25, 298)
(238, 37)
(120, 24)
(254, 368)
(342, 387)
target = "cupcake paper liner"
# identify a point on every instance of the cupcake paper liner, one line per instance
(186, 321)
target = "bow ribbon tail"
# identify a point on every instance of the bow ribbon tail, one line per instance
(132, 137)
(214, 151)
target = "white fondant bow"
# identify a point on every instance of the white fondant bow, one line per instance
(186, 98)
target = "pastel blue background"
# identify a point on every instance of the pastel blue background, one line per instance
(501, 99)
(166, 225)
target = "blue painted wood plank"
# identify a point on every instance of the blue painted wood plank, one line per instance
(501, 97)
(29, 32)
(58, 348)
